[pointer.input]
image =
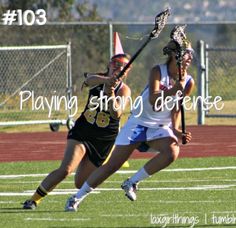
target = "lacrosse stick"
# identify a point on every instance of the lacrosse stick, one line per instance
(160, 22)
(179, 37)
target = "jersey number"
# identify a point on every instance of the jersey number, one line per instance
(102, 119)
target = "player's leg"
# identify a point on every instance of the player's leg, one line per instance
(97, 152)
(74, 153)
(119, 155)
(85, 168)
(169, 151)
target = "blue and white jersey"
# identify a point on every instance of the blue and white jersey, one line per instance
(145, 113)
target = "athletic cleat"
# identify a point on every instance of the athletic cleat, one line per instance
(72, 204)
(29, 204)
(130, 189)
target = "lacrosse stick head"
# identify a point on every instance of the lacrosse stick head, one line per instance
(160, 22)
(178, 36)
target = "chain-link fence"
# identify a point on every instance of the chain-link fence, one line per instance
(35, 85)
(217, 79)
(91, 48)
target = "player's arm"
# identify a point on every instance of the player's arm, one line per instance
(189, 88)
(95, 79)
(176, 115)
(117, 106)
(176, 119)
(154, 86)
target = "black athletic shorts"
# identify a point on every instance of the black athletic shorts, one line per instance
(98, 142)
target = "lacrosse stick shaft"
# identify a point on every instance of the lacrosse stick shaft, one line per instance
(183, 123)
(179, 37)
(160, 22)
(133, 58)
(182, 109)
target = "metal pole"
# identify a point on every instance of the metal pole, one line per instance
(69, 75)
(206, 74)
(201, 81)
(111, 38)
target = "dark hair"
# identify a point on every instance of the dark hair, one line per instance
(124, 55)
(121, 55)
(171, 47)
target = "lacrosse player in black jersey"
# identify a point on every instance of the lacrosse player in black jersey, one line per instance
(91, 139)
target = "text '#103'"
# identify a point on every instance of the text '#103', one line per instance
(27, 17)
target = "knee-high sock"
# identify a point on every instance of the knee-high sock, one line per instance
(84, 191)
(140, 175)
(39, 194)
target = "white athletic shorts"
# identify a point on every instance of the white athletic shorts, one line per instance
(132, 133)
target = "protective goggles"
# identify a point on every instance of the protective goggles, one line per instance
(189, 51)
(119, 62)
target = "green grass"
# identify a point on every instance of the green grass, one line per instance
(215, 196)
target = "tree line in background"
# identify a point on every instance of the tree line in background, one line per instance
(57, 10)
(90, 43)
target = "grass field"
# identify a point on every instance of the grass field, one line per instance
(191, 119)
(190, 116)
(191, 193)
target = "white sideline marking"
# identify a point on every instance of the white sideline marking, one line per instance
(98, 190)
(130, 171)
(144, 181)
(199, 169)
(193, 201)
(223, 212)
(144, 201)
(125, 215)
(58, 219)
(164, 214)
(21, 175)
(7, 202)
